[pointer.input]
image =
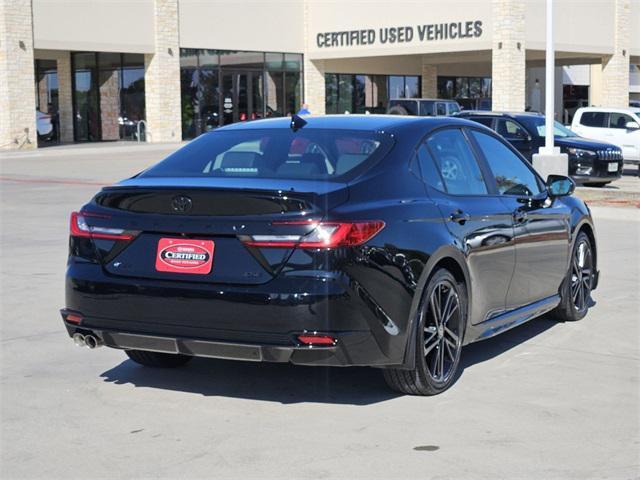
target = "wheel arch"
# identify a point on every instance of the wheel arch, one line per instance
(587, 227)
(453, 260)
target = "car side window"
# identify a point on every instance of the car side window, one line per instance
(619, 120)
(456, 163)
(486, 121)
(441, 108)
(512, 176)
(510, 129)
(429, 171)
(593, 119)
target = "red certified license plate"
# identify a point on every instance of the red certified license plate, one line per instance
(178, 255)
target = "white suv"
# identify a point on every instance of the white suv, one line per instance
(620, 126)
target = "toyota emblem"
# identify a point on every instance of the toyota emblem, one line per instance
(181, 204)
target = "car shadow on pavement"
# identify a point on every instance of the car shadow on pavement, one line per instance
(284, 383)
(287, 384)
(487, 349)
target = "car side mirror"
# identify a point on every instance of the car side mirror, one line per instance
(560, 186)
(632, 126)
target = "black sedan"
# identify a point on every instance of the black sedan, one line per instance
(377, 241)
(591, 162)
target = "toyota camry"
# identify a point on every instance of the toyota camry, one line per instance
(381, 241)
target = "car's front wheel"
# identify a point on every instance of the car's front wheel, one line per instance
(440, 329)
(157, 359)
(575, 292)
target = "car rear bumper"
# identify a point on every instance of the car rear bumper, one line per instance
(345, 352)
(259, 323)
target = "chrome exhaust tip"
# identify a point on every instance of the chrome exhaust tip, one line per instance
(92, 342)
(79, 340)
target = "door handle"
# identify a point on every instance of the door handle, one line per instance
(520, 216)
(459, 217)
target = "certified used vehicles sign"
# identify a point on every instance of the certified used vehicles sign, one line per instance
(180, 255)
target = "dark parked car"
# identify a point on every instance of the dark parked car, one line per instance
(423, 107)
(591, 162)
(365, 240)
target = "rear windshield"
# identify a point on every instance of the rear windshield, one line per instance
(275, 153)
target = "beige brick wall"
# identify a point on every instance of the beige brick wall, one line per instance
(162, 76)
(615, 68)
(429, 80)
(314, 86)
(65, 95)
(109, 84)
(313, 71)
(17, 79)
(508, 55)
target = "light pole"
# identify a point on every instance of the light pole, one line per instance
(550, 81)
(549, 160)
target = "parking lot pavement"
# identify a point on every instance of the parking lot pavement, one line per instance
(545, 400)
(623, 192)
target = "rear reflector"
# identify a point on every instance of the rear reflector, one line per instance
(315, 339)
(324, 235)
(80, 228)
(73, 318)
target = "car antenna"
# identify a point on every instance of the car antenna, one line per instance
(297, 122)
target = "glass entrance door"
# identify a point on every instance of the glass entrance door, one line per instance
(242, 96)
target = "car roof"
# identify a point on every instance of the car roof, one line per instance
(350, 122)
(484, 113)
(610, 109)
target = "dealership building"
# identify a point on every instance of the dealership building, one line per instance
(168, 70)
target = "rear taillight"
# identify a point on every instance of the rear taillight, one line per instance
(80, 228)
(324, 235)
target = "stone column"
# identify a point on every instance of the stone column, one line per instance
(508, 55)
(109, 85)
(162, 77)
(615, 68)
(17, 76)
(429, 80)
(65, 96)
(313, 73)
(314, 86)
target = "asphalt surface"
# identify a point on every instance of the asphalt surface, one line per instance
(545, 400)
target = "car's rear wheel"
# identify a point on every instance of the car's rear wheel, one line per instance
(575, 293)
(157, 359)
(439, 333)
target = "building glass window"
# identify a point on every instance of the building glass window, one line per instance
(219, 87)
(46, 86)
(473, 93)
(108, 95)
(46, 79)
(396, 87)
(367, 93)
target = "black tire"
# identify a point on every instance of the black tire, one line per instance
(397, 110)
(157, 359)
(575, 298)
(435, 345)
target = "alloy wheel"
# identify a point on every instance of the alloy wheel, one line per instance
(442, 331)
(581, 276)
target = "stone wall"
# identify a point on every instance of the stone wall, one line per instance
(429, 80)
(508, 55)
(162, 77)
(17, 77)
(615, 68)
